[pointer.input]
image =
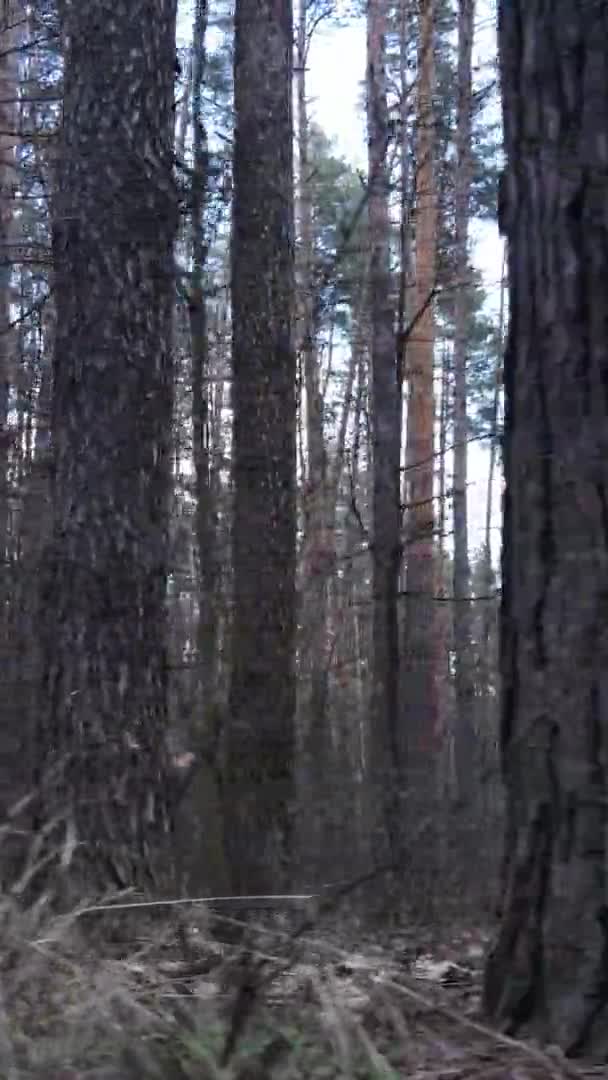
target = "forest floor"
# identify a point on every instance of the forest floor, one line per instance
(162, 1000)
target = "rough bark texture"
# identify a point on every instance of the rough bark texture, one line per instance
(420, 649)
(548, 970)
(258, 775)
(466, 765)
(386, 419)
(103, 702)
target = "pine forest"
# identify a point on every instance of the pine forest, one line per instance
(303, 539)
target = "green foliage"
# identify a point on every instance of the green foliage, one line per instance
(486, 144)
(339, 224)
(484, 349)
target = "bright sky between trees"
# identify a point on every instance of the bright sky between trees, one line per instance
(335, 85)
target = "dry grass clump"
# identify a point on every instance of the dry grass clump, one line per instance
(66, 1009)
(162, 1002)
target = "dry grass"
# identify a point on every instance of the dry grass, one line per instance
(158, 1008)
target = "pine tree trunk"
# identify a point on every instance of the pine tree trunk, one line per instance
(405, 191)
(206, 514)
(103, 703)
(489, 578)
(465, 758)
(547, 971)
(494, 418)
(259, 771)
(318, 546)
(10, 26)
(444, 615)
(420, 649)
(386, 423)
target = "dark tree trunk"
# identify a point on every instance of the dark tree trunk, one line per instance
(548, 970)
(206, 511)
(10, 30)
(464, 732)
(103, 703)
(386, 421)
(258, 774)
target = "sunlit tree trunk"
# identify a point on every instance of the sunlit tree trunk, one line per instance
(547, 971)
(103, 703)
(419, 706)
(259, 759)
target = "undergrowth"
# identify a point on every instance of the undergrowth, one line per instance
(83, 998)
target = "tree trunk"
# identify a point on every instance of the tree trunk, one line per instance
(386, 421)
(10, 27)
(258, 775)
(489, 577)
(318, 547)
(464, 731)
(405, 189)
(494, 417)
(103, 702)
(420, 650)
(547, 971)
(444, 615)
(206, 514)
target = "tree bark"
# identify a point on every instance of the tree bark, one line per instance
(386, 422)
(405, 188)
(10, 29)
(259, 760)
(103, 703)
(420, 648)
(547, 971)
(444, 616)
(464, 733)
(206, 513)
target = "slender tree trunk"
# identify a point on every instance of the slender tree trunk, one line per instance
(259, 770)
(319, 545)
(206, 514)
(405, 191)
(420, 652)
(386, 422)
(104, 696)
(494, 421)
(9, 75)
(347, 590)
(201, 858)
(489, 608)
(12, 713)
(547, 971)
(182, 117)
(444, 615)
(466, 763)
